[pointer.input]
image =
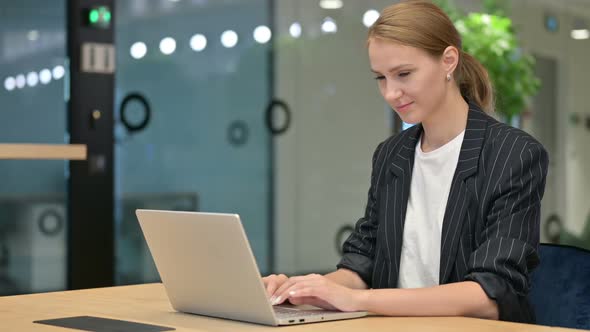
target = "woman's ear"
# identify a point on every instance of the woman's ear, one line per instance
(450, 59)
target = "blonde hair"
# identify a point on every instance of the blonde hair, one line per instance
(422, 24)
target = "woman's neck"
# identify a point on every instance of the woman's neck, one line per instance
(445, 123)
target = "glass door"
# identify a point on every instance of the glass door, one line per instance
(33, 210)
(191, 89)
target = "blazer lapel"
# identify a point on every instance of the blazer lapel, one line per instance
(397, 193)
(459, 196)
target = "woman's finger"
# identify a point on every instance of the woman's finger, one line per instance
(284, 286)
(283, 293)
(271, 286)
(312, 300)
(272, 282)
(295, 286)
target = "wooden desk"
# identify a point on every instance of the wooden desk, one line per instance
(43, 151)
(149, 304)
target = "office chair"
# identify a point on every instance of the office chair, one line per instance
(560, 287)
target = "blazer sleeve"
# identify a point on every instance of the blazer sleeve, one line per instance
(359, 249)
(508, 252)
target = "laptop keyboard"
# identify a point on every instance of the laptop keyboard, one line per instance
(284, 312)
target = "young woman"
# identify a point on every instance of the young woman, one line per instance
(451, 226)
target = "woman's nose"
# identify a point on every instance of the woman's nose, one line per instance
(392, 93)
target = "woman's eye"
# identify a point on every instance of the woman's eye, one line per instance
(404, 74)
(379, 78)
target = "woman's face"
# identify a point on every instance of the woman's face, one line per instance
(411, 81)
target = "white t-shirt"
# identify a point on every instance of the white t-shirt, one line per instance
(431, 183)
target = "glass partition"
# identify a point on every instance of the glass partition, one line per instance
(33, 210)
(201, 68)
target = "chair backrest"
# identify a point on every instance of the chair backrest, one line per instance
(560, 287)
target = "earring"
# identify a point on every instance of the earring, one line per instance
(449, 77)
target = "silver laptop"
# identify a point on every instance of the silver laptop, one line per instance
(207, 267)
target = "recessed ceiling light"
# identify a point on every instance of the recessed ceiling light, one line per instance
(295, 30)
(168, 45)
(329, 25)
(580, 34)
(262, 34)
(198, 42)
(138, 50)
(229, 38)
(331, 4)
(370, 17)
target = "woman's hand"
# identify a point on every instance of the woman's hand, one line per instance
(319, 291)
(273, 282)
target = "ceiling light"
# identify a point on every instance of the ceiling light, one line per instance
(329, 25)
(331, 4)
(370, 17)
(138, 50)
(58, 72)
(295, 30)
(32, 79)
(20, 81)
(9, 83)
(262, 34)
(45, 76)
(580, 34)
(229, 38)
(168, 45)
(198, 42)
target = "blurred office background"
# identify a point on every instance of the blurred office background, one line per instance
(265, 108)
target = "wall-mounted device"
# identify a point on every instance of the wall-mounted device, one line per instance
(91, 51)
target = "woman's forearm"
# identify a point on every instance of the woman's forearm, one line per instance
(347, 278)
(457, 299)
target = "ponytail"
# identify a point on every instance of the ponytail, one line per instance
(474, 82)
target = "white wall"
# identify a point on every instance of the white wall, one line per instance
(568, 183)
(324, 161)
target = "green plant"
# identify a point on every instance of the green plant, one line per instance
(490, 38)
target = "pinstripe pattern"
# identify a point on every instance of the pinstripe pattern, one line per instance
(491, 224)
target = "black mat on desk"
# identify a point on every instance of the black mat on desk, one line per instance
(99, 324)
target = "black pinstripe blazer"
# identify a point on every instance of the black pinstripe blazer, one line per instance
(490, 228)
